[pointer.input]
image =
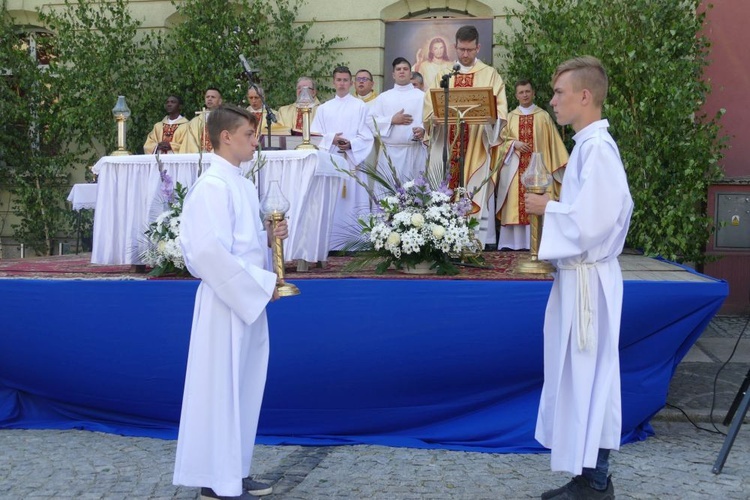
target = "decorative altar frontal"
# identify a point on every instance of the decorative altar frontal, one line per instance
(451, 363)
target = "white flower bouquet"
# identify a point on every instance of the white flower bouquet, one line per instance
(418, 224)
(164, 253)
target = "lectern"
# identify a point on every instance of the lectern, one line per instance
(470, 106)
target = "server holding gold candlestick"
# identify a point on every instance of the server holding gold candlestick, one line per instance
(275, 206)
(536, 179)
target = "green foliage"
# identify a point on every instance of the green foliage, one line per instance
(205, 49)
(61, 117)
(32, 168)
(101, 54)
(655, 57)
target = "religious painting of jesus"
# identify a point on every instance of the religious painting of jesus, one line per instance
(429, 45)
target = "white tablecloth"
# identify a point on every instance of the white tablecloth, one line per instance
(83, 196)
(312, 185)
(129, 199)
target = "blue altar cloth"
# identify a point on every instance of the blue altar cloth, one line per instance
(418, 363)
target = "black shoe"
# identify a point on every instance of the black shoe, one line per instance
(580, 489)
(256, 488)
(209, 494)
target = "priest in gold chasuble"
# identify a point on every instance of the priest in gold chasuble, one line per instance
(197, 139)
(168, 135)
(480, 141)
(530, 129)
(255, 99)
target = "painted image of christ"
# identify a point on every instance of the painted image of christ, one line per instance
(429, 45)
(437, 62)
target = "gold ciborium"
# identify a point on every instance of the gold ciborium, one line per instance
(305, 103)
(274, 206)
(121, 112)
(535, 179)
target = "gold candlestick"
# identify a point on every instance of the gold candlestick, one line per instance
(285, 289)
(121, 113)
(535, 179)
(304, 103)
(275, 205)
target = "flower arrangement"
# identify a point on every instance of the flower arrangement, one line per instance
(418, 224)
(164, 253)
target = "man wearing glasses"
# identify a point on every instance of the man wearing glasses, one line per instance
(363, 86)
(480, 141)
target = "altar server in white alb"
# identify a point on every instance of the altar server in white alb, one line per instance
(342, 122)
(397, 115)
(225, 245)
(580, 415)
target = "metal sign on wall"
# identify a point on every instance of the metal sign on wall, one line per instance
(733, 221)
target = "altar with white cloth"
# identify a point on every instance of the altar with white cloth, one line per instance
(129, 198)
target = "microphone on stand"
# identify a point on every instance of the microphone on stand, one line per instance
(248, 70)
(271, 116)
(444, 79)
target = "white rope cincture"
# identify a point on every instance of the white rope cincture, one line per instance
(584, 330)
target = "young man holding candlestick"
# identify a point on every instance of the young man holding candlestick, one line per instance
(580, 414)
(226, 246)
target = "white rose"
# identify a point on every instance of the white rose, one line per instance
(417, 220)
(394, 238)
(162, 246)
(438, 231)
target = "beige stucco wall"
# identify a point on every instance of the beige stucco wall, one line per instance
(360, 23)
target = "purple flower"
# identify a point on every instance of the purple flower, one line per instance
(462, 207)
(167, 186)
(443, 188)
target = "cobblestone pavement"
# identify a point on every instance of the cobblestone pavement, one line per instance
(674, 464)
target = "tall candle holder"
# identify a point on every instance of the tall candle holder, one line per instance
(305, 103)
(536, 179)
(275, 206)
(121, 112)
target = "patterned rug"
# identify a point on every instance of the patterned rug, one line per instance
(497, 266)
(61, 266)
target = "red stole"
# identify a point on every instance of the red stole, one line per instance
(460, 81)
(168, 132)
(298, 123)
(259, 127)
(525, 134)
